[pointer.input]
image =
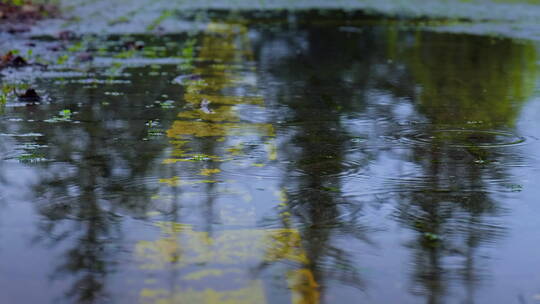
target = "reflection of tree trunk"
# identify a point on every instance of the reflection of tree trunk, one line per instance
(88, 261)
(318, 146)
(436, 211)
(89, 258)
(315, 208)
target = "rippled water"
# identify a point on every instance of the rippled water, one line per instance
(272, 161)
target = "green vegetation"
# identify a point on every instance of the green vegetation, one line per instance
(164, 15)
(188, 55)
(62, 59)
(63, 116)
(31, 157)
(9, 90)
(16, 2)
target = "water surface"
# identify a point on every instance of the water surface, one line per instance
(273, 161)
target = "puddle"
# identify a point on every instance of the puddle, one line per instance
(297, 160)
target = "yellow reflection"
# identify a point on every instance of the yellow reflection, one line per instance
(175, 181)
(226, 247)
(305, 288)
(271, 150)
(227, 255)
(208, 172)
(204, 129)
(198, 275)
(224, 113)
(251, 294)
(218, 267)
(225, 100)
(236, 150)
(227, 46)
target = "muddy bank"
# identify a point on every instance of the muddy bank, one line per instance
(24, 14)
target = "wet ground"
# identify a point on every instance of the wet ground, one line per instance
(292, 158)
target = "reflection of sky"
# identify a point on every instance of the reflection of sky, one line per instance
(27, 265)
(515, 262)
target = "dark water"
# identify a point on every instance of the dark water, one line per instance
(318, 162)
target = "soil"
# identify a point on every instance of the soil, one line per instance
(19, 18)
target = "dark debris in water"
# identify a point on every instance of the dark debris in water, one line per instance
(30, 96)
(11, 60)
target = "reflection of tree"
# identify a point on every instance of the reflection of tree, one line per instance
(471, 79)
(449, 224)
(94, 178)
(318, 147)
(466, 82)
(89, 260)
(458, 82)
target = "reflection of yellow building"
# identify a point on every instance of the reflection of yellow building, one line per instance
(203, 129)
(251, 294)
(303, 286)
(225, 45)
(229, 256)
(224, 52)
(220, 268)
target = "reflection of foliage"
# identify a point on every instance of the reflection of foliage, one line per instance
(471, 82)
(472, 79)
